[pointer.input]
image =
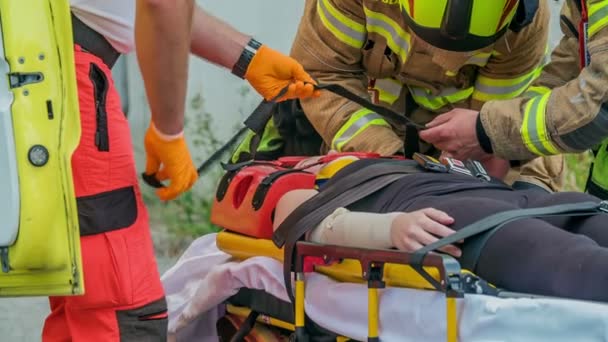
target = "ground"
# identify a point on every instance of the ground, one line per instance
(21, 319)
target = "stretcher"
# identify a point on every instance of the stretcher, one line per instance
(232, 284)
(206, 285)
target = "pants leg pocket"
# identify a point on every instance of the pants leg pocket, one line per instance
(107, 279)
(107, 211)
(147, 323)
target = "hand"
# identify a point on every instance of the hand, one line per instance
(412, 231)
(172, 154)
(496, 167)
(455, 133)
(271, 71)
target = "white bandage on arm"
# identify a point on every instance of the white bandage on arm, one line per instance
(355, 229)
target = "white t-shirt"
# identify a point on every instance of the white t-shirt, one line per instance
(114, 19)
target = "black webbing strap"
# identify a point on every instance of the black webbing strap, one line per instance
(93, 42)
(500, 219)
(383, 111)
(347, 94)
(353, 187)
(339, 187)
(411, 142)
(246, 327)
(257, 120)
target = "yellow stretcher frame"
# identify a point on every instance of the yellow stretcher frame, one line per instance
(38, 63)
(376, 267)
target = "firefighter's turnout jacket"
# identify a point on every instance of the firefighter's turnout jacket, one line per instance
(366, 46)
(565, 110)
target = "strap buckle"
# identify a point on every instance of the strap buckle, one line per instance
(604, 206)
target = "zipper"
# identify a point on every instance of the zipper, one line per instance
(100, 91)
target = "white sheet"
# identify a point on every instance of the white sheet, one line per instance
(204, 277)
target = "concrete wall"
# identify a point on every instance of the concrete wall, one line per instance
(273, 22)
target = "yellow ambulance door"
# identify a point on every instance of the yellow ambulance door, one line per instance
(39, 130)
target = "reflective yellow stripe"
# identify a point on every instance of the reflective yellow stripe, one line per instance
(345, 29)
(487, 88)
(449, 95)
(536, 91)
(598, 16)
(389, 89)
(359, 120)
(397, 39)
(534, 129)
(480, 59)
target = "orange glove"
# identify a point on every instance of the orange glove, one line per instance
(177, 166)
(271, 71)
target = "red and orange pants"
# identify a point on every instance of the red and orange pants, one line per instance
(124, 298)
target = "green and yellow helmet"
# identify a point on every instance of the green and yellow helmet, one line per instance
(464, 25)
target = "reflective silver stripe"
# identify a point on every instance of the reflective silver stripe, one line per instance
(599, 15)
(344, 29)
(400, 41)
(499, 90)
(389, 85)
(533, 128)
(353, 128)
(479, 60)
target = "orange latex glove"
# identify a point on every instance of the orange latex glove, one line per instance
(173, 155)
(271, 71)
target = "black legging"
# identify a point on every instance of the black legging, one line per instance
(555, 256)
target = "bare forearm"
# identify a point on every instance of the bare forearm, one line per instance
(162, 33)
(215, 40)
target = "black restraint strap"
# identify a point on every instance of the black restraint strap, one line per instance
(93, 42)
(246, 327)
(498, 220)
(355, 179)
(347, 94)
(257, 120)
(411, 143)
(353, 187)
(383, 111)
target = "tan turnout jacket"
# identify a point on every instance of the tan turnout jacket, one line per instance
(365, 46)
(565, 110)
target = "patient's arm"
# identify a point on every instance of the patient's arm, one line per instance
(355, 229)
(405, 231)
(289, 202)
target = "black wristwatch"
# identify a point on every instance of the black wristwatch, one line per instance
(240, 67)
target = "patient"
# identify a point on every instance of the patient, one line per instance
(554, 256)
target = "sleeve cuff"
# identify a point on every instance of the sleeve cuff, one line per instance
(482, 136)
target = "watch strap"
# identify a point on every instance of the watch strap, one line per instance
(240, 67)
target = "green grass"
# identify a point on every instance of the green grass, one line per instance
(577, 171)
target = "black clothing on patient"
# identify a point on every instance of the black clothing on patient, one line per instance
(554, 256)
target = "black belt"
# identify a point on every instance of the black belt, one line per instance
(93, 42)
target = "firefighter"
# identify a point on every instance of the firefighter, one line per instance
(564, 111)
(421, 57)
(124, 298)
